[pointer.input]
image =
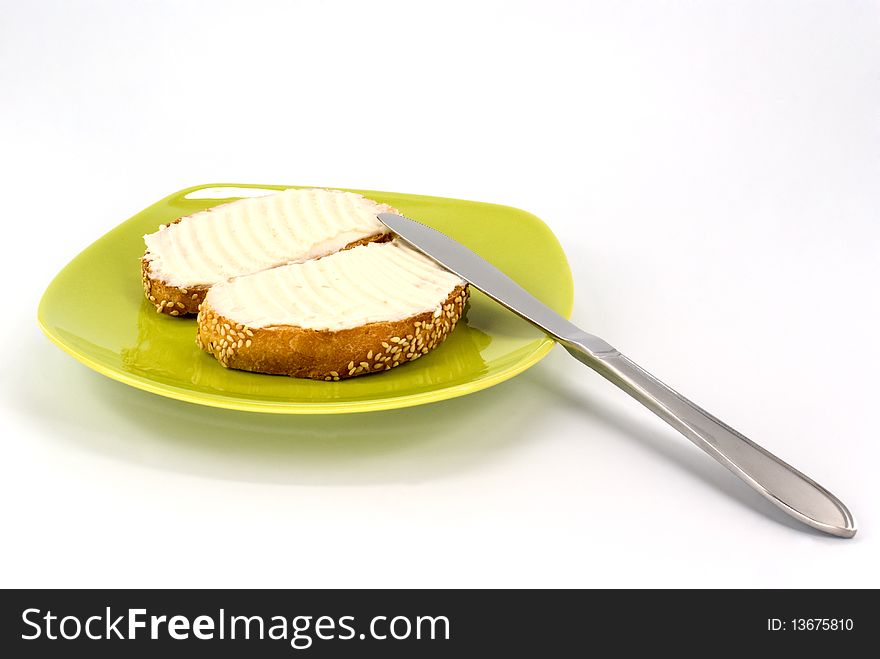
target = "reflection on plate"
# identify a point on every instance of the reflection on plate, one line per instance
(94, 310)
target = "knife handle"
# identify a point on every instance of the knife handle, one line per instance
(798, 495)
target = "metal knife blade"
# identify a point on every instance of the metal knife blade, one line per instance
(490, 280)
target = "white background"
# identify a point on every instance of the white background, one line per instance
(710, 168)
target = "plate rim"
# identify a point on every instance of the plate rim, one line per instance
(225, 401)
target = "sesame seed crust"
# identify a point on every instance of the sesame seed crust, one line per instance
(168, 299)
(327, 355)
(180, 302)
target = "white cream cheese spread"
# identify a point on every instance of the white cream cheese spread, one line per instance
(255, 234)
(371, 283)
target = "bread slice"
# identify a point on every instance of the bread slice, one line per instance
(185, 258)
(364, 310)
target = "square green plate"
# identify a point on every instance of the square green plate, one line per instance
(95, 310)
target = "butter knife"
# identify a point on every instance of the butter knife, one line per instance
(783, 485)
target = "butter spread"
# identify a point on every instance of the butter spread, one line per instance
(250, 235)
(372, 283)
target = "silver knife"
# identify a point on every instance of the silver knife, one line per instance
(798, 495)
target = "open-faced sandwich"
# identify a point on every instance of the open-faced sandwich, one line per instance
(304, 282)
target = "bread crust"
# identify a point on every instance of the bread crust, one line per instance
(327, 355)
(180, 301)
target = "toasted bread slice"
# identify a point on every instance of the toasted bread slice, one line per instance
(185, 258)
(364, 310)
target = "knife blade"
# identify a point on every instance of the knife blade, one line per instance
(777, 481)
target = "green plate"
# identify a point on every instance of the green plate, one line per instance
(95, 310)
